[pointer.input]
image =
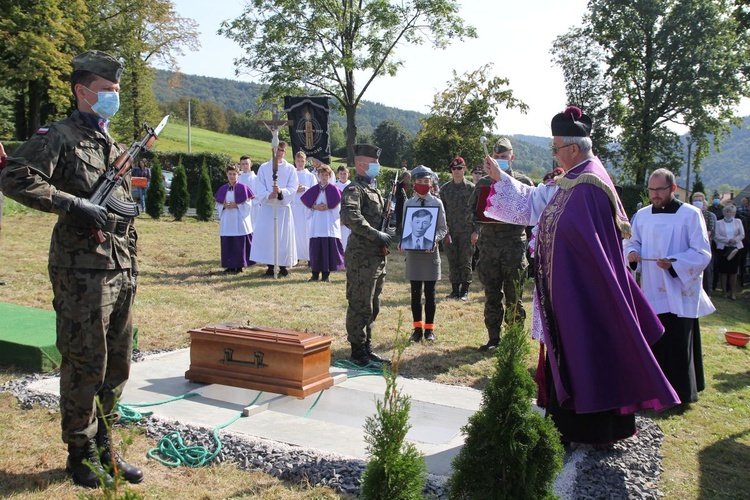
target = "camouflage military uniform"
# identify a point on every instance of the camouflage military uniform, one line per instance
(92, 283)
(502, 261)
(362, 212)
(455, 198)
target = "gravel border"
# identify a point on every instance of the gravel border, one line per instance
(628, 469)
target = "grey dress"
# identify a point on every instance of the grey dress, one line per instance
(424, 266)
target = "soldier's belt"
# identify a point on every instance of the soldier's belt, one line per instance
(118, 226)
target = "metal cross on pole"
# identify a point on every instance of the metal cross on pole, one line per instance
(273, 125)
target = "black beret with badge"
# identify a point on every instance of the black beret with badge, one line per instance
(99, 63)
(367, 150)
(571, 123)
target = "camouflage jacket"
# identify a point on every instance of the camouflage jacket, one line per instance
(455, 198)
(62, 162)
(362, 213)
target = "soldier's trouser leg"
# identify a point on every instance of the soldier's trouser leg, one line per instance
(364, 283)
(513, 267)
(490, 274)
(95, 338)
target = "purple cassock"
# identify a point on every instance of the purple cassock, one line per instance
(236, 245)
(596, 323)
(326, 250)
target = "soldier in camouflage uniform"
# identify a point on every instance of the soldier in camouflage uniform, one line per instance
(362, 213)
(455, 195)
(502, 253)
(93, 284)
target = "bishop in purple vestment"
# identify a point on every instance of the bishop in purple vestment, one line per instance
(589, 312)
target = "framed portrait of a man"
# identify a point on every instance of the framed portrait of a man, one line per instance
(420, 225)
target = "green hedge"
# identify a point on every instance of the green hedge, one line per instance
(193, 162)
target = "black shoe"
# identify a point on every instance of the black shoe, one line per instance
(84, 475)
(283, 271)
(129, 472)
(417, 335)
(491, 345)
(359, 356)
(374, 357)
(454, 293)
(464, 293)
(269, 272)
(325, 277)
(429, 336)
(314, 277)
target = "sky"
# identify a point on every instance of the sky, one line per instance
(515, 37)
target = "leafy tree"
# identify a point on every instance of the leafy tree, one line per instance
(396, 469)
(6, 112)
(460, 115)
(325, 43)
(179, 197)
(586, 85)
(670, 61)
(698, 184)
(510, 451)
(155, 192)
(140, 32)
(204, 206)
(397, 140)
(38, 40)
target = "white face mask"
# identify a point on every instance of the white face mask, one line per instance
(698, 204)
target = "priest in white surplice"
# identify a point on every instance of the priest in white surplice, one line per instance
(670, 247)
(300, 212)
(266, 196)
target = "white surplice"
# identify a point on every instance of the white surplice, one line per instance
(325, 223)
(682, 236)
(263, 237)
(302, 215)
(235, 221)
(248, 180)
(345, 232)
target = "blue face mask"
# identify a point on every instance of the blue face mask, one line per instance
(373, 169)
(503, 164)
(716, 201)
(107, 104)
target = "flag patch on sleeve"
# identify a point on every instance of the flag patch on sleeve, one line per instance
(42, 130)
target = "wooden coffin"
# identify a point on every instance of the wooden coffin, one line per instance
(264, 359)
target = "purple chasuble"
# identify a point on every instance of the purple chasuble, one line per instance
(241, 193)
(597, 323)
(333, 196)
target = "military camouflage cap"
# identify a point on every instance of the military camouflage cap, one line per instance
(366, 150)
(502, 145)
(99, 63)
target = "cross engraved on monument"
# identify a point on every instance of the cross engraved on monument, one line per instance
(273, 126)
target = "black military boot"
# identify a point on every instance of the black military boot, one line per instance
(491, 345)
(454, 294)
(464, 293)
(417, 335)
(374, 357)
(359, 356)
(111, 459)
(84, 475)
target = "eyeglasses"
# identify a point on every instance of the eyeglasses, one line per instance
(555, 149)
(457, 168)
(656, 190)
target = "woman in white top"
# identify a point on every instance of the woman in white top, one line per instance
(729, 236)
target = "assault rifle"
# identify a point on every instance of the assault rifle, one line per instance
(388, 210)
(110, 181)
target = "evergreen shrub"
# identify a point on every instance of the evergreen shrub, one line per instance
(204, 206)
(396, 470)
(511, 451)
(179, 198)
(155, 192)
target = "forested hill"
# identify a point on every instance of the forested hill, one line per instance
(241, 96)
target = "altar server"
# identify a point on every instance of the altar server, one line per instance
(275, 212)
(234, 204)
(670, 247)
(300, 212)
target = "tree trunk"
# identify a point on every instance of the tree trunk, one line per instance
(20, 114)
(351, 132)
(136, 99)
(35, 107)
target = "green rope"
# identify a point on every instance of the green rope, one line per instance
(369, 369)
(177, 452)
(128, 414)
